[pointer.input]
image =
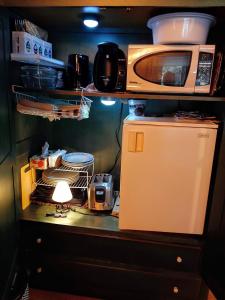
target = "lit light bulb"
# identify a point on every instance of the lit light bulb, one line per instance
(91, 23)
(108, 101)
(62, 192)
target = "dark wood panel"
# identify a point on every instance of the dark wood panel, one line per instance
(8, 234)
(128, 20)
(145, 96)
(100, 225)
(160, 3)
(133, 95)
(5, 146)
(37, 294)
(89, 251)
(111, 281)
(31, 127)
(214, 252)
(142, 253)
(216, 216)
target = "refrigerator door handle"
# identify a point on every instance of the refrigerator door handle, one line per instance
(139, 141)
(135, 141)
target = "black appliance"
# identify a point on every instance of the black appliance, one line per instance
(78, 71)
(109, 72)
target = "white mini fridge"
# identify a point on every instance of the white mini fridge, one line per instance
(165, 174)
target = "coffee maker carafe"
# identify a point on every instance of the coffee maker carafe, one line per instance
(109, 72)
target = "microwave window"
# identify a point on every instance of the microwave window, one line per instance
(169, 68)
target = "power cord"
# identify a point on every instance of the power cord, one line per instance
(117, 132)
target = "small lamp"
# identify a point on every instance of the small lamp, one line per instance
(62, 194)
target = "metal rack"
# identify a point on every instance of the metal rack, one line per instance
(85, 175)
(48, 107)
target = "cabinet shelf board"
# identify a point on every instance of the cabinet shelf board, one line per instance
(110, 3)
(36, 59)
(123, 95)
(129, 95)
(100, 225)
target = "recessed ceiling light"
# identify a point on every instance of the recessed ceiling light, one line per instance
(90, 20)
(108, 101)
(90, 23)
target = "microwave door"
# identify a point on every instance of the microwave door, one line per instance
(170, 70)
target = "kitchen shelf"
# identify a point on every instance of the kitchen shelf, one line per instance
(82, 183)
(122, 95)
(49, 107)
(36, 59)
(145, 96)
(86, 174)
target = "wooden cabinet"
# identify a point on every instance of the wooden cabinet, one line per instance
(112, 281)
(143, 254)
(7, 205)
(110, 264)
(104, 262)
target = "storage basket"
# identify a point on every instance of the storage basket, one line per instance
(51, 108)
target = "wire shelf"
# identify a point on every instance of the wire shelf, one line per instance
(85, 176)
(81, 183)
(51, 108)
(76, 169)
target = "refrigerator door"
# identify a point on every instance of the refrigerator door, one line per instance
(165, 177)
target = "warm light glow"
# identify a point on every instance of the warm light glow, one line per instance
(108, 101)
(62, 192)
(91, 23)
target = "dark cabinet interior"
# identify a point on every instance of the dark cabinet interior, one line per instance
(113, 256)
(7, 203)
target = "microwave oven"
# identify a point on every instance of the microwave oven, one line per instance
(170, 68)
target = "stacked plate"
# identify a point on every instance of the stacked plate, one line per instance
(52, 176)
(77, 159)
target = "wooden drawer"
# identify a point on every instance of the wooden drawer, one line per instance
(142, 253)
(111, 281)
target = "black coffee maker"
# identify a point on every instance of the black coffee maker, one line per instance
(78, 71)
(109, 73)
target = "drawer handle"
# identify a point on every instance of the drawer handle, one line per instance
(175, 290)
(39, 240)
(39, 270)
(179, 259)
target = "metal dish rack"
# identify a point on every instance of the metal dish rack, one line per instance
(30, 105)
(85, 175)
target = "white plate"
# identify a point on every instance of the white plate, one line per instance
(78, 158)
(52, 176)
(72, 165)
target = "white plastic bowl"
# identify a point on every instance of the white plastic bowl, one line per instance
(181, 28)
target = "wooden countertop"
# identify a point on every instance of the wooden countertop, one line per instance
(101, 225)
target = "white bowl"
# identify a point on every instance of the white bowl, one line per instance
(181, 28)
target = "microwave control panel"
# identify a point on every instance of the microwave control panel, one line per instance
(205, 64)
